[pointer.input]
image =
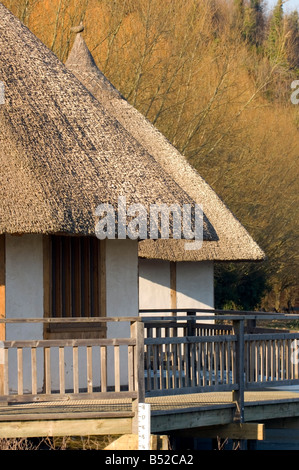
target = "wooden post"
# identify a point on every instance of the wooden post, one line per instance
(137, 331)
(238, 395)
(191, 325)
(2, 304)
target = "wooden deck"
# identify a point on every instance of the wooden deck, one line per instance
(168, 414)
(169, 361)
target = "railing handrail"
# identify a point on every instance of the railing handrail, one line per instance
(71, 320)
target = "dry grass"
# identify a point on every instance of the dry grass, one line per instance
(58, 443)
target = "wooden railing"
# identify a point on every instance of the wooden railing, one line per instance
(160, 356)
(185, 355)
(39, 370)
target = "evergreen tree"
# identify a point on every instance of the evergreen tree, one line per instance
(292, 45)
(253, 26)
(276, 37)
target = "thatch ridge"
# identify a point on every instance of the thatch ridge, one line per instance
(234, 242)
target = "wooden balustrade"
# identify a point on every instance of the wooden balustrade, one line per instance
(190, 356)
(161, 357)
(270, 359)
(180, 364)
(37, 370)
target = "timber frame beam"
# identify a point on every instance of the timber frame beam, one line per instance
(236, 431)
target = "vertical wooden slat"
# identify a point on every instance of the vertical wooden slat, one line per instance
(95, 277)
(131, 368)
(116, 368)
(75, 370)
(20, 370)
(47, 370)
(86, 277)
(76, 277)
(89, 369)
(227, 361)
(216, 363)
(155, 366)
(102, 264)
(57, 281)
(67, 277)
(61, 370)
(174, 365)
(33, 371)
(103, 369)
(161, 368)
(180, 366)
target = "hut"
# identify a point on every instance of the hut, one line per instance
(66, 150)
(62, 156)
(170, 276)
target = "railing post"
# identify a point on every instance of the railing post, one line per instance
(238, 395)
(137, 331)
(191, 326)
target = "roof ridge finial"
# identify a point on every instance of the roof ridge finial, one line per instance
(78, 29)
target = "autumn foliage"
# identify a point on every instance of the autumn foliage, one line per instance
(215, 77)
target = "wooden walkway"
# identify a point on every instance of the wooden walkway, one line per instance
(168, 414)
(167, 361)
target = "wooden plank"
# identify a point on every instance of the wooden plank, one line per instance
(47, 371)
(240, 431)
(102, 275)
(131, 368)
(56, 343)
(20, 370)
(71, 320)
(103, 350)
(61, 371)
(33, 371)
(41, 397)
(116, 369)
(164, 422)
(72, 427)
(89, 369)
(67, 276)
(65, 415)
(75, 370)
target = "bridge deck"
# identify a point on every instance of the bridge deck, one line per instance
(169, 413)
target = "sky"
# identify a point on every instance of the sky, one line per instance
(290, 5)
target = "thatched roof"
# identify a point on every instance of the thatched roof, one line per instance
(61, 152)
(234, 242)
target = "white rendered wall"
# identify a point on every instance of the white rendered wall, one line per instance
(24, 293)
(121, 295)
(194, 285)
(154, 284)
(24, 284)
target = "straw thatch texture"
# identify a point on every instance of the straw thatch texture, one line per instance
(234, 242)
(61, 152)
